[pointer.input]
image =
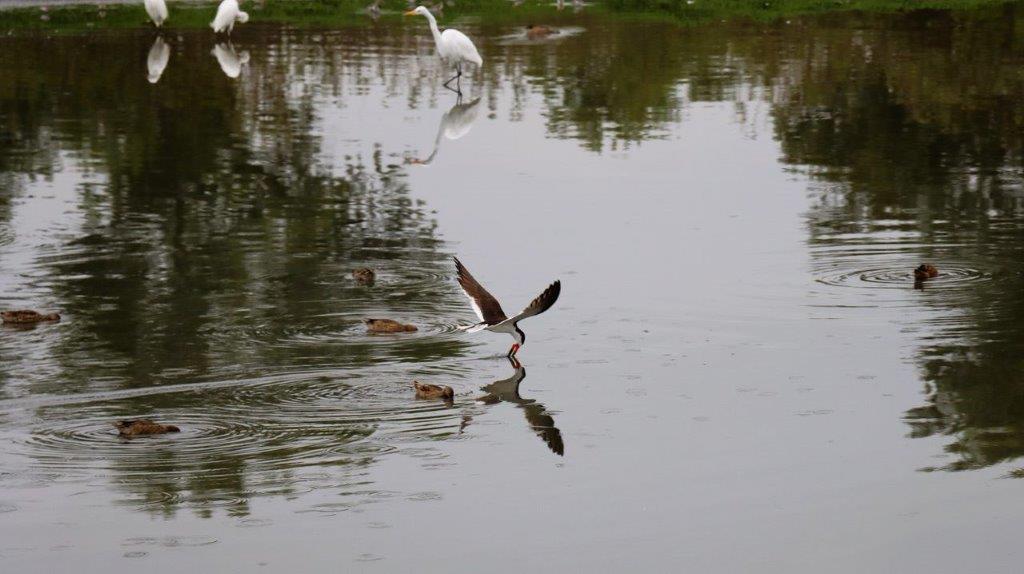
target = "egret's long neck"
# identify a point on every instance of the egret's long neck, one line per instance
(434, 30)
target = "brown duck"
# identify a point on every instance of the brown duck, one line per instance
(539, 31)
(388, 326)
(425, 391)
(925, 271)
(364, 275)
(139, 427)
(23, 317)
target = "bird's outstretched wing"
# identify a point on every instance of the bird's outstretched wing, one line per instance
(541, 303)
(486, 306)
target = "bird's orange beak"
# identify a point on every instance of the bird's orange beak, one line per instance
(409, 13)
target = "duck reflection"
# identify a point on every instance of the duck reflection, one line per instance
(230, 61)
(156, 61)
(455, 123)
(507, 390)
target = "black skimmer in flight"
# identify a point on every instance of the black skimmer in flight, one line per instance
(492, 318)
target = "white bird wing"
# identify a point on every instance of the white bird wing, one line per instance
(541, 303)
(157, 11)
(226, 14)
(458, 47)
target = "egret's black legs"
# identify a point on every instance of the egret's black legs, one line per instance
(456, 78)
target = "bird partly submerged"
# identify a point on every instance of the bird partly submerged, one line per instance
(388, 326)
(454, 47)
(26, 317)
(540, 31)
(140, 427)
(925, 271)
(492, 318)
(364, 276)
(428, 391)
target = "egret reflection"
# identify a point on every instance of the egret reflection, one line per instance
(507, 390)
(230, 61)
(455, 123)
(156, 61)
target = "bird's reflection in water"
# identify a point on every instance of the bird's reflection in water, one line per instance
(507, 391)
(455, 123)
(230, 61)
(373, 10)
(156, 61)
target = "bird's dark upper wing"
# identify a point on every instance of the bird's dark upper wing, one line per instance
(542, 303)
(486, 306)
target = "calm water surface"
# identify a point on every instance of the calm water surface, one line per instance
(739, 375)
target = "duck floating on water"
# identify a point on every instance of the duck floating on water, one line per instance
(925, 271)
(540, 31)
(425, 391)
(388, 326)
(140, 427)
(25, 316)
(364, 275)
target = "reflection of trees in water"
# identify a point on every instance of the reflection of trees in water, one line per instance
(616, 82)
(918, 121)
(216, 246)
(217, 219)
(922, 115)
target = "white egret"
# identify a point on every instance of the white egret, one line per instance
(454, 47)
(227, 14)
(157, 10)
(157, 60)
(230, 61)
(455, 123)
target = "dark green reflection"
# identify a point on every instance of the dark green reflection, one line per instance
(203, 264)
(215, 232)
(916, 124)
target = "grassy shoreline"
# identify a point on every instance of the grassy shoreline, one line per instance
(96, 15)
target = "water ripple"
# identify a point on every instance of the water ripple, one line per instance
(902, 277)
(264, 427)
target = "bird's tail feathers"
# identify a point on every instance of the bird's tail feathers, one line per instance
(473, 328)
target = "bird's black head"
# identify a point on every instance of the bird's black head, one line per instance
(522, 336)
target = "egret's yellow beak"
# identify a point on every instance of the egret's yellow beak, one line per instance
(410, 13)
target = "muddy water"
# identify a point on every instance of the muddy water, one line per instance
(740, 372)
